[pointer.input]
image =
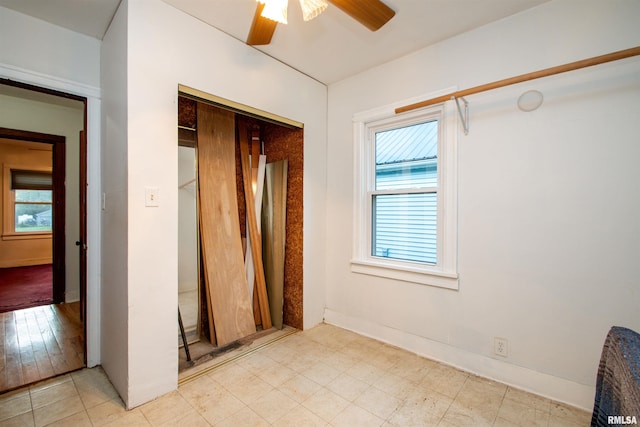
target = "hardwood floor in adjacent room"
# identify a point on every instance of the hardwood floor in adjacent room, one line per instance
(40, 342)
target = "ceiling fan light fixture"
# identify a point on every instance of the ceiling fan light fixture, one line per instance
(276, 10)
(312, 8)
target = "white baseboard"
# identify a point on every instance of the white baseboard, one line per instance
(71, 298)
(549, 386)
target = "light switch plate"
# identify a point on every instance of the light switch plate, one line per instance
(151, 196)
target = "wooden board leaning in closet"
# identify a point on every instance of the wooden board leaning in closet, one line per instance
(223, 260)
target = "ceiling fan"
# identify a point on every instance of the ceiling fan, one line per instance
(373, 14)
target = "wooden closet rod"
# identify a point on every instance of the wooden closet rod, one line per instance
(596, 60)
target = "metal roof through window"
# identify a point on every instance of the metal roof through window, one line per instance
(409, 143)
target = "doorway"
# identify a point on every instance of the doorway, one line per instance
(46, 123)
(278, 142)
(32, 248)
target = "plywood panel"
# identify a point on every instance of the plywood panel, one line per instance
(280, 143)
(220, 227)
(258, 164)
(274, 235)
(253, 228)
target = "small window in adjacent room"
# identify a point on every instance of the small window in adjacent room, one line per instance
(32, 193)
(405, 213)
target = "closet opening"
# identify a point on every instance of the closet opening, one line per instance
(240, 235)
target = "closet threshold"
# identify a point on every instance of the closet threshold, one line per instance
(205, 363)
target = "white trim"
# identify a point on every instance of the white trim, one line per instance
(444, 274)
(189, 91)
(549, 386)
(448, 198)
(93, 95)
(51, 82)
(94, 241)
(404, 272)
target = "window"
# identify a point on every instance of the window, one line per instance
(405, 196)
(32, 193)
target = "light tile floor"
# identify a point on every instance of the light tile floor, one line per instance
(325, 376)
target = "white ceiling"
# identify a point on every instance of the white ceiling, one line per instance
(90, 17)
(329, 48)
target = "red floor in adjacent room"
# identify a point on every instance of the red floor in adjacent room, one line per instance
(24, 287)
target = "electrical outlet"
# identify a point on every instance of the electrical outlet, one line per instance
(500, 346)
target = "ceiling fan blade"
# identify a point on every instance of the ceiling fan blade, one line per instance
(262, 29)
(373, 14)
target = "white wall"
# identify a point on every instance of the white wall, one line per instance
(114, 298)
(548, 201)
(35, 52)
(35, 45)
(165, 48)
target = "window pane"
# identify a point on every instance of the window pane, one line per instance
(407, 157)
(404, 227)
(37, 196)
(33, 210)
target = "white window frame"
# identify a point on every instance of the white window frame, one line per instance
(443, 274)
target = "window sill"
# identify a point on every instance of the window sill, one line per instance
(405, 273)
(26, 236)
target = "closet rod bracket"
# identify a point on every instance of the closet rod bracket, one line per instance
(463, 117)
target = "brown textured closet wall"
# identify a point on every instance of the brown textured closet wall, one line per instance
(284, 143)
